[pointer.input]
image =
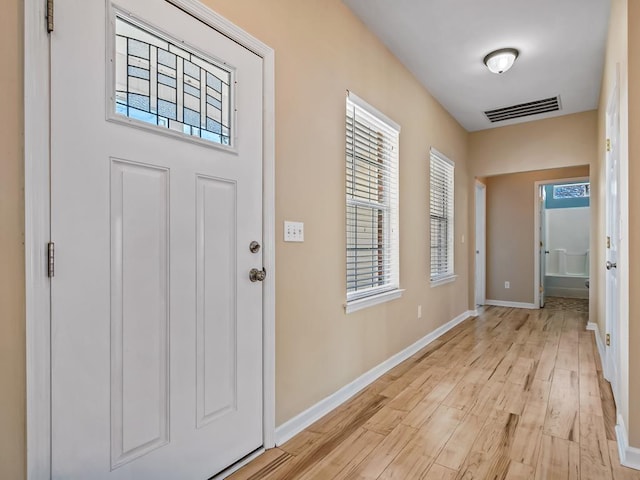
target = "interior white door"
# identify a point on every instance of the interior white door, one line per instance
(480, 244)
(156, 194)
(542, 244)
(613, 242)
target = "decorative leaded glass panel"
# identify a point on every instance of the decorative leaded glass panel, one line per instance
(573, 190)
(160, 83)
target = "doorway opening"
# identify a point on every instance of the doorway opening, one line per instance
(563, 242)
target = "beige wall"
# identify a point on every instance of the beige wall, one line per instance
(322, 51)
(551, 143)
(12, 325)
(510, 231)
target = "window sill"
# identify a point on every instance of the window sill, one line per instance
(443, 280)
(361, 303)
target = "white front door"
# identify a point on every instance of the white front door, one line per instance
(613, 243)
(156, 194)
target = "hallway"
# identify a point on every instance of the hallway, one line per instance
(510, 394)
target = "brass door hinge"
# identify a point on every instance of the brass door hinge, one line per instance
(608, 340)
(51, 259)
(608, 142)
(608, 242)
(49, 16)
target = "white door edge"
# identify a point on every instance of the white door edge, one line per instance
(536, 231)
(38, 224)
(480, 246)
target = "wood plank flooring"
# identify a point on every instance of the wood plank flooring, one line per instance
(510, 394)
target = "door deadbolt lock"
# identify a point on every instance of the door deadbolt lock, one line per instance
(256, 275)
(254, 247)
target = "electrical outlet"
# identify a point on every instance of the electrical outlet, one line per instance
(419, 311)
(507, 285)
(293, 231)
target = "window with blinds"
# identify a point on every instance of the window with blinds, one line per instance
(372, 201)
(441, 214)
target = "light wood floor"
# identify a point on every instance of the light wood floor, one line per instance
(511, 394)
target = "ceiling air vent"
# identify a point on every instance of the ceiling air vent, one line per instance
(524, 110)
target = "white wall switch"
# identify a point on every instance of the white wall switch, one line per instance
(293, 231)
(507, 285)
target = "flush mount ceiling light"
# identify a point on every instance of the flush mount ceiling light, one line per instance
(499, 61)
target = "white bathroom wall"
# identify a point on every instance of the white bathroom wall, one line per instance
(568, 228)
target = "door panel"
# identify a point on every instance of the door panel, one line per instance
(139, 310)
(216, 275)
(156, 328)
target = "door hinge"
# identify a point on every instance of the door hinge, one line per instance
(49, 16)
(51, 261)
(608, 340)
(608, 242)
(608, 139)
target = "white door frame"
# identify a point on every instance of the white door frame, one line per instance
(536, 232)
(481, 247)
(38, 223)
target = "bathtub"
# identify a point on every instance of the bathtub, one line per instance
(566, 274)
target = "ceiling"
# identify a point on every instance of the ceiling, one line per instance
(443, 42)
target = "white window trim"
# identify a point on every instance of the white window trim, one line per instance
(443, 280)
(362, 300)
(366, 302)
(372, 110)
(448, 277)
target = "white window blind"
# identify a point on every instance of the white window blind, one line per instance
(441, 213)
(372, 201)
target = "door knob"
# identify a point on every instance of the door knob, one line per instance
(611, 265)
(256, 275)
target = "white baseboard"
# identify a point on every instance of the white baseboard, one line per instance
(629, 456)
(599, 343)
(501, 303)
(301, 421)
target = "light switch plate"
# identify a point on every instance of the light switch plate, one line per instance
(293, 231)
